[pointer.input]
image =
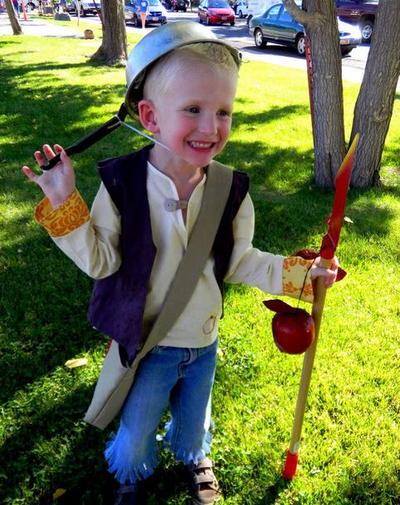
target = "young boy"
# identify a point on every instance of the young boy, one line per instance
(136, 234)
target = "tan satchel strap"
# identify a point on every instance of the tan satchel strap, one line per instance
(216, 192)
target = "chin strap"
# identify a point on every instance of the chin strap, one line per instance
(145, 136)
(93, 137)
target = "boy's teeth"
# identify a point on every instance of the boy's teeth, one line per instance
(201, 145)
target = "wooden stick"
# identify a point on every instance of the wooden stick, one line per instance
(289, 469)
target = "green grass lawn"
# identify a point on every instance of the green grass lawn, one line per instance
(350, 446)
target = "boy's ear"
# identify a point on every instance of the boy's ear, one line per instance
(147, 116)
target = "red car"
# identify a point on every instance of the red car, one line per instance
(214, 12)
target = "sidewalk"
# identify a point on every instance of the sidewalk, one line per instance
(37, 27)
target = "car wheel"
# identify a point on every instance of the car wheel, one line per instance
(259, 39)
(346, 51)
(232, 23)
(301, 45)
(367, 28)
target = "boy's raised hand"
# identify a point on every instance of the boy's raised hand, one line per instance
(59, 182)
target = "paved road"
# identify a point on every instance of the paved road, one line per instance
(352, 66)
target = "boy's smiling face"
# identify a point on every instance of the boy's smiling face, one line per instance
(192, 116)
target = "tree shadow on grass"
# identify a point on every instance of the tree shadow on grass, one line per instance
(299, 210)
(273, 492)
(363, 487)
(33, 113)
(50, 450)
(266, 116)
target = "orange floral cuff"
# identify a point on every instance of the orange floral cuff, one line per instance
(297, 279)
(72, 214)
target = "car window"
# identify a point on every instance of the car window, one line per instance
(273, 12)
(285, 16)
(218, 4)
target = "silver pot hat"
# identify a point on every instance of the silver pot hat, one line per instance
(157, 43)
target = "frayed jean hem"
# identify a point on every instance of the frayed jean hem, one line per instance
(187, 456)
(127, 473)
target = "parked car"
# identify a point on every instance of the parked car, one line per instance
(86, 8)
(214, 12)
(277, 25)
(156, 12)
(258, 7)
(179, 5)
(31, 5)
(240, 7)
(360, 12)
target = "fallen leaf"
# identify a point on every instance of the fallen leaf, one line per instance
(58, 492)
(74, 363)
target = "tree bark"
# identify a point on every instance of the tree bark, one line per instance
(374, 106)
(16, 27)
(320, 23)
(113, 50)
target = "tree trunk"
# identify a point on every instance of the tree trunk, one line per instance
(113, 50)
(16, 27)
(374, 105)
(327, 97)
(329, 143)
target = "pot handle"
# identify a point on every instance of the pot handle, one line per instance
(90, 139)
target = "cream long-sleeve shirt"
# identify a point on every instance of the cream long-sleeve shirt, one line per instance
(93, 244)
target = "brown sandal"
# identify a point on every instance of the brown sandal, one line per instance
(203, 483)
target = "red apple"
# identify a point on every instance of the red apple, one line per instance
(293, 329)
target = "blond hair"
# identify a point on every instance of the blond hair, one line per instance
(163, 72)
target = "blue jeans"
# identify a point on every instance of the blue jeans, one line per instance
(181, 378)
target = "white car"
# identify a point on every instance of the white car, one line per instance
(30, 5)
(241, 9)
(86, 7)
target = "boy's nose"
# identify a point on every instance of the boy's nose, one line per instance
(208, 124)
